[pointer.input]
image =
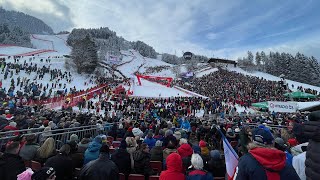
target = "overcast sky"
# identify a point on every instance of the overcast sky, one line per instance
(226, 29)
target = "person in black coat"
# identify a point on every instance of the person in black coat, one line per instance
(311, 130)
(122, 159)
(169, 137)
(157, 152)
(216, 165)
(62, 163)
(11, 163)
(142, 161)
(101, 168)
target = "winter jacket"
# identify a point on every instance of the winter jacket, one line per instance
(185, 125)
(10, 166)
(62, 164)
(83, 145)
(169, 138)
(312, 131)
(313, 160)
(216, 167)
(174, 168)
(120, 133)
(92, 152)
(199, 175)
(100, 169)
(29, 151)
(264, 164)
(158, 137)
(298, 163)
(122, 159)
(151, 142)
(156, 153)
(142, 163)
(244, 140)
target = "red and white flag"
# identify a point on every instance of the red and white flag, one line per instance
(231, 158)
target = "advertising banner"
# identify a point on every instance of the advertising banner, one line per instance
(278, 106)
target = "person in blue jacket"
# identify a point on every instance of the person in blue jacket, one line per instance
(150, 140)
(185, 125)
(93, 150)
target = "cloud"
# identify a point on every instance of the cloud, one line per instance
(212, 36)
(226, 29)
(53, 12)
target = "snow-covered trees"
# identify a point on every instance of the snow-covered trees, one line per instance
(84, 55)
(28, 24)
(144, 49)
(298, 68)
(14, 36)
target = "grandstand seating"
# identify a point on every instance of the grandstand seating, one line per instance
(154, 177)
(136, 177)
(122, 176)
(156, 166)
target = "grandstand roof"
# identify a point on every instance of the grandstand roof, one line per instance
(217, 60)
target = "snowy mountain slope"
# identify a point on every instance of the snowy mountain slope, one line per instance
(135, 62)
(13, 50)
(54, 42)
(45, 45)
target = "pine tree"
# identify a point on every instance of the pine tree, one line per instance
(258, 59)
(250, 57)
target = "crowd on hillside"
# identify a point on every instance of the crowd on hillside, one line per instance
(24, 89)
(238, 88)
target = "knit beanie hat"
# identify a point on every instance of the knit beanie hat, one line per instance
(136, 131)
(202, 143)
(204, 151)
(215, 154)
(159, 143)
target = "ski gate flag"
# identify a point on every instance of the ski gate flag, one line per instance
(231, 157)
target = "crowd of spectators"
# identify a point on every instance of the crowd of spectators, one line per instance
(132, 132)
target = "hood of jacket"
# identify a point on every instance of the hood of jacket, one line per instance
(270, 159)
(185, 150)
(94, 146)
(174, 163)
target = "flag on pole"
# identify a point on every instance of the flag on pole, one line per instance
(231, 157)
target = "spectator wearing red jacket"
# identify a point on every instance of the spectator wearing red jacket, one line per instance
(174, 168)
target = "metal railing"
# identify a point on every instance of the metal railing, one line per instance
(61, 136)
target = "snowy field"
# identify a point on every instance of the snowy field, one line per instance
(151, 89)
(14, 50)
(53, 42)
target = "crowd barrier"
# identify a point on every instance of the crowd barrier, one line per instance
(59, 135)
